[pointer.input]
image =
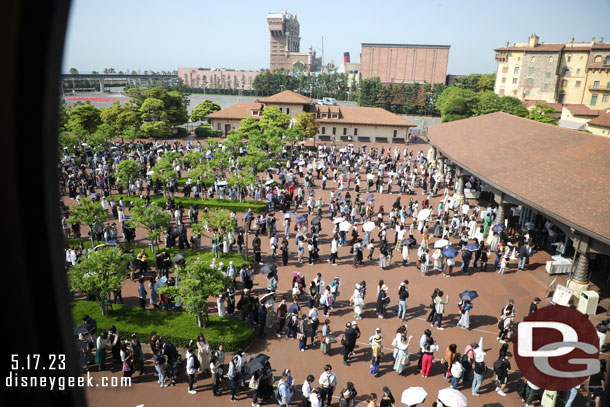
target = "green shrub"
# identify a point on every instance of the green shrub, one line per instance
(178, 327)
(206, 131)
(256, 206)
(236, 258)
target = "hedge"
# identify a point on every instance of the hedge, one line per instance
(237, 259)
(206, 131)
(256, 206)
(178, 327)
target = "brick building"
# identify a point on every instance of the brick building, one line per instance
(404, 63)
(285, 43)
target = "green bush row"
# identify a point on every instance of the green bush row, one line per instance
(206, 131)
(236, 206)
(178, 327)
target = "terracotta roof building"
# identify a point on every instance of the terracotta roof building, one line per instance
(559, 173)
(334, 122)
(600, 125)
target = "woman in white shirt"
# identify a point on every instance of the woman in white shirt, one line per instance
(203, 352)
(314, 398)
(100, 351)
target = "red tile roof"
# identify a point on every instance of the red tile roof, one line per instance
(557, 106)
(560, 172)
(287, 97)
(373, 116)
(601, 121)
(582, 110)
(236, 112)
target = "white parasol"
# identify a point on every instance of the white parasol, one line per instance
(150, 173)
(452, 398)
(413, 396)
(370, 176)
(345, 226)
(423, 214)
(338, 220)
(439, 244)
(269, 182)
(369, 226)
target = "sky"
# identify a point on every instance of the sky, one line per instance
(165, 35)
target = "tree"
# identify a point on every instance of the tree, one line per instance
(512, 105)
(306, 124)
(203, 109)
(368, 91)
(127, 171)
(273, 117)
(457, 103)
(197, 282)
(215, 221)
(88, 213)
(540, 113)
(99, 273)
(73, 71)
(98, 140)
(85, 117)
(489, 102)
(152, 218)
(247, 126)
(242, 180)
(163, 170)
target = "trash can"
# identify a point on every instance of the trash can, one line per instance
(587, 302)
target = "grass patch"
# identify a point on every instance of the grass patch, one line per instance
(236, 258)
(236, 206)
(178, 327)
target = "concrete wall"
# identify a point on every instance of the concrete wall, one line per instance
(544, 78)
(603, 76)
(505, 75)
(573, 76)
(219, 124)
(363, 131)
(600, 131)
(404, 64)
(567, 115)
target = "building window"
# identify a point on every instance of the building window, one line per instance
(345, 131)
(551, 59)
(595, 84)
(564, 83)
(530, 81)
(287, 110)
(280, 109)
(514, 81)
(504, 80)
(323, 130)
(505, 69)
(569, 59)
(516, 70)
(324, 116)
(598, 59)
(566, 72)
(527, 92)
(546, 86)
(533, 58)
(532, 69)
(501, 91)
(334, 116)
(548, 74)
(578, 71)
(395, 134)
(518, 58)
(218, 126)
(577, 85)
(334, 131)
(593, 100)
(355, 132)
(605, 98)
(607, 61)
(515, 92)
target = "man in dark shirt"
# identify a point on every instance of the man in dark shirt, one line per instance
(349, 342)
(501, 368)
(534, 305)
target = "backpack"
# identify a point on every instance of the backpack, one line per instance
(422, 258)
(196, 363)
(277, 395)
(498, 367)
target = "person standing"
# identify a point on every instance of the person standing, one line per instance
(203, 353)
(142, 293)
(439, 308)
(524, 254)
(501, 368)
(283, 390)
(403, 294)
(348, 341)
(465, 307)
(334, 248)
(191, 369)
(479, 370)
(328, 383)
(307, 389)
(401, 361)
(534, 306)
(233, 376)
(428, 356)
(376, 353)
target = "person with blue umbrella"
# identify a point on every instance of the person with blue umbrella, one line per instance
(449, 254)
(465, 305)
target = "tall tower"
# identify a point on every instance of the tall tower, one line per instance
(284, 29)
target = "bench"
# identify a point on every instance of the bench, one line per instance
(364, 139)
(381, 139)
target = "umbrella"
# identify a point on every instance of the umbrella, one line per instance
(413, 395)
(423, 214)
(452, 397)
(245, 216)
(301, 218)
(268, 268)
(498, 228)
(370, 198)
(269, 182)
(289, 215)
(179, 257)
(80, 329)
(439, 244)
(221, 183)
(316, 220)
(113, 242)
(408, 241)
(345, 226)
(342, 150)
(160, 282)
(473, 247)
(468, 295)
(257, 362)
(301, 162)
(338, 219)
(369, 226)
(95, 195)
(370, 176)
(451, 252)
(150, 173)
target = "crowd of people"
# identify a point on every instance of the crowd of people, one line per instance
(363, 234)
